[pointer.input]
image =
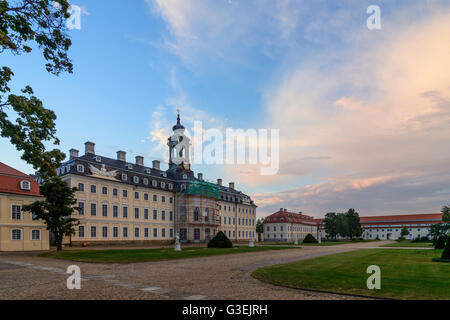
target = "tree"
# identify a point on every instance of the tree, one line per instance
(342, 225)
(24, 23)
(404, 232)
(310, 239)
(446, 214)
(259, 228)
(331, 225)
(437, 230)
(446, 253)
(57, 208)
(354, 224)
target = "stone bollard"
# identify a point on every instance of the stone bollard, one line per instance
(177, 243)
(250, 242)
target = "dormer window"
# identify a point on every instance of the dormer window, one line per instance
(164, 174)
(163, 185)
(154, 183)
(129, 166)
(184, 176)
(25, 185)
(148, 171)
(98, 159)
(145, 181)
(170, 186)
(124, 177)
(136, 179)
(80, 168)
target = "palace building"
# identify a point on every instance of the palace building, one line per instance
(18, 230)
(286, 226)
(125, 202)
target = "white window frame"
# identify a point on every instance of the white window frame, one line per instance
(80, 168)
(31, 234)
(20, 211)
(136, 179)
(21, 234)
(22, 185)
(124, 177)
(145, 181)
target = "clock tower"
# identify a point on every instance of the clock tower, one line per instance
(179, 144)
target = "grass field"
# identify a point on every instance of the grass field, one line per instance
(145, 255)
(405, 274)
(324, 243)
(409, 244)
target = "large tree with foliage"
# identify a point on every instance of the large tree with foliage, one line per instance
(259, 228)
(25, 24)
(331, 225)
(354, 224)
(57, 208)
(445, 214)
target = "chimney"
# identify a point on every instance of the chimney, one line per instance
(122, 156)
(231, 185)
(89, 147)
(156, 164)
(73, 153)
(219, 182)
(140, 160)
(200, 176)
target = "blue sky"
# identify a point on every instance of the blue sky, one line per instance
(355, 114)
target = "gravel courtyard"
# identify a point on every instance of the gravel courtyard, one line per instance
(28, 276)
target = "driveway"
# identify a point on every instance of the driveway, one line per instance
(28, 276)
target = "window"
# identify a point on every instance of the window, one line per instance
(184, 176)
(81, 208)
(16, 212)
(136, 179)
(163, 215)
(163, 232)
(25, 185)
(136, 232)
(115, 192)
(163, 185)
(93, 232)
(146, 213)
(145, 232)
(136, 195)
(129, 166)
(171, 233)
(146, 196)
(136, 213)
(16, 234)
(81, 187)
(170, 186)
(155, 197)
(171, 215)
(105, 232)
(93, 209)
(80, 168)
(80, 231)
(155, 214)
(93, 188)
(115, 211)
(196, 234)
(104, 190)
(145, 181)
(125, 193)
(154, 183)
(125, 232)
(115, 232)
(170, 200)
(196, 214)
(124, 177)
(35, 234)
(155, 232)
(104, 210)
(125, 212)
(163, 199)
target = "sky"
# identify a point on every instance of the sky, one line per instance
(363, 114)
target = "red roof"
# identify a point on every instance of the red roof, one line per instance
(10, 179)
(284, 216)
(399, 219)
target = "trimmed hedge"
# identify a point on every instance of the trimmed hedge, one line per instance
(220, 241)
(310, 239)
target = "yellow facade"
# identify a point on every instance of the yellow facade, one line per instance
(20, 233)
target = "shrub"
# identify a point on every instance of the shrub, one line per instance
(401, 239)
(424, 239)
(446, 253)
(220, 241)
(440, 243)
(310, 239)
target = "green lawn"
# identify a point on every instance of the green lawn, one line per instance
(408, 244)
(405, 274)
(323, 243)
(145, 255)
